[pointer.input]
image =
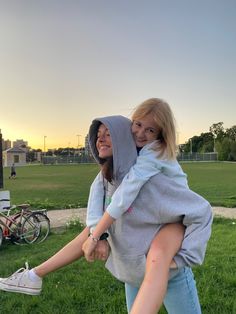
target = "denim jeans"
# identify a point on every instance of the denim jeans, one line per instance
(181, 296)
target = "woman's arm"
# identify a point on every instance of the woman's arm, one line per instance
(68, 254)
(147, 165)
(95, 206)
(91, 243)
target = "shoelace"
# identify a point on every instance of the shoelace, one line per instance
(22, 269)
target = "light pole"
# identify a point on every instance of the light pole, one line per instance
(177, 138)
(191, 146)
(78, 146)
(68, 149)
(44, 144)
(214, 140)
(78, 135)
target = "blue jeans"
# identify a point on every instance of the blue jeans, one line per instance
(181, 296)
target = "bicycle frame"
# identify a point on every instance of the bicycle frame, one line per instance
(25, 225)
(12, 227)
(9, 219)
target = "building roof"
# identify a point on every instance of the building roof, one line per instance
(15, 150)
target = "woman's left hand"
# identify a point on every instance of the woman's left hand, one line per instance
(102, 250)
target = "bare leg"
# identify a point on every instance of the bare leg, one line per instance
(68, 254)
(30, 281)
(162, 250)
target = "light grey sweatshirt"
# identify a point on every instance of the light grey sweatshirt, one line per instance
(160, 201)
(150, 162)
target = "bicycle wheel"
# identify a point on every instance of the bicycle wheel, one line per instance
(30, 229)
(42, 226)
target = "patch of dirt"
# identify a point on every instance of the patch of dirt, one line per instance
(61, 217)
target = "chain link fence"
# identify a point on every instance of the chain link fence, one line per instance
(56, 160)
(198, 157)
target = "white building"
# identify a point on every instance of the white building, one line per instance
(15, 156)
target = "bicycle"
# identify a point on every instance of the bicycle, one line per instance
(25, 225)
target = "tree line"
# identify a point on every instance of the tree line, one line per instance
(218, 139)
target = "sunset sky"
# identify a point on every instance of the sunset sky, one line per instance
(65, 62)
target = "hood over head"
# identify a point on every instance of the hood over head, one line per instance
(123, 145)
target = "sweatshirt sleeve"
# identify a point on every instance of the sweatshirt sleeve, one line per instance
(146, 166)
(197, 233)
(95, 202)
(177, 203)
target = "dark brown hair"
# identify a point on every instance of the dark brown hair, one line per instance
(107, 169)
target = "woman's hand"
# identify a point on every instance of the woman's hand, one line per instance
(95, 250)
(88, 248)
(102, 250)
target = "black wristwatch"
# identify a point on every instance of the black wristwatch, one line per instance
(104, 236)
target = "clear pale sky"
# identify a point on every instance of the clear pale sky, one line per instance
(65, 62)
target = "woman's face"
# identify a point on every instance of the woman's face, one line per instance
(144, 131)
(103, 143)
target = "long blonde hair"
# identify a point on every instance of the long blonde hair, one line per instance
(165, 123)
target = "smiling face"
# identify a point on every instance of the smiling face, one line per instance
(103, 143)
(144, 130)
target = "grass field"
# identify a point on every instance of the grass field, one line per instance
(216, 181)
(51, 186)
(90, 289)
(65, 186)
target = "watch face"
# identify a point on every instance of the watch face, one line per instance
(104, 236)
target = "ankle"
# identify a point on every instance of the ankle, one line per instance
(33, 275)
(38, 272)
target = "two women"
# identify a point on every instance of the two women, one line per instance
(161, 201)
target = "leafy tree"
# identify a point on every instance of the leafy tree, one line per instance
(231, 133)
(207, 147)
(203, 143)
(232, 155)
(223, 141)
(223, 149)
(217, 130)
(31, 155)
(206, 144)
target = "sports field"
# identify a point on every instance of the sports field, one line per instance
(65, 186)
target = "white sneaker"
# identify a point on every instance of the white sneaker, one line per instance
(20, 282)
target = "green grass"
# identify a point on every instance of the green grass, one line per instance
(65, 186)
(89, 288)
(217, 277)
(216, 181)
(79, 288)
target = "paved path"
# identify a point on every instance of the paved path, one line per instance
(60, 217)
(225, 212)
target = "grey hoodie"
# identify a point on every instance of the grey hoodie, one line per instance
(160, 201)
